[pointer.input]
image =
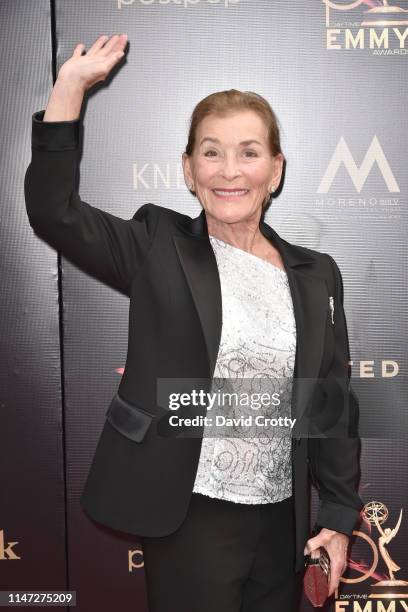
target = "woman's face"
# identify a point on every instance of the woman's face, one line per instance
(232, 154)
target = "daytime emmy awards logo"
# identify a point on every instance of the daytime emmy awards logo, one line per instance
(389, 588)
(383, 28)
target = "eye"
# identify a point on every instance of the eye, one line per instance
(255, 154)
(209, 151)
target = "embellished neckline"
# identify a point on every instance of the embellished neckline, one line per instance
(255, 257)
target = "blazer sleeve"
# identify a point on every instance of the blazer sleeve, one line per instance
(106, 247)
(334, 461)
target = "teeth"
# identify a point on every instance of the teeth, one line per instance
(227, 193)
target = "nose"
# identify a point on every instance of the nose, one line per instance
(230, 167)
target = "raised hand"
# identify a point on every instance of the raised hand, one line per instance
(84, 71)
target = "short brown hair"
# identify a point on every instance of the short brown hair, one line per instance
(223, 103)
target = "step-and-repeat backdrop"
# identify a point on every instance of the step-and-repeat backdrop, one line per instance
(335, 73)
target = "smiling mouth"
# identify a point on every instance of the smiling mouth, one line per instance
(228, 193)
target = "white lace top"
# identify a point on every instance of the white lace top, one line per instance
(258, 343)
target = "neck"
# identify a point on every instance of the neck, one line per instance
(244, 234)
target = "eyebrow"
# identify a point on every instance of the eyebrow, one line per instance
(244, 142)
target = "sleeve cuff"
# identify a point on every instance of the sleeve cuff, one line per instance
(54, 135)
(337, 517)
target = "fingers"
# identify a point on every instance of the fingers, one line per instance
(98, 44)
(313, 544)
(78, 50)
(112, 59)
(338, 565)
(315, 554)
(336, 570)
(336, 547)
(104, 46)
(333, 584)
(116, 43)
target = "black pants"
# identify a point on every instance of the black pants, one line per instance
(225, 557)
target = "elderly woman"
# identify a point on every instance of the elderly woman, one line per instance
(223, 516)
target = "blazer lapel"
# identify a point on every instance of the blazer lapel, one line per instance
(309, 296)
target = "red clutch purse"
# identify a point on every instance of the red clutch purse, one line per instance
(316, 579)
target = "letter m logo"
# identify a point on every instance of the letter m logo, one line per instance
(342, 155)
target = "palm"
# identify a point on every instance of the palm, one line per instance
(96, 64)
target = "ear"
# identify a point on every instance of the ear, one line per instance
(276, 174)
(188, 176)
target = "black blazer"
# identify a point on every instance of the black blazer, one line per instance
(142, 475)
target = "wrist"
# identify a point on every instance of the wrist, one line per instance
(65, 101)
(69, 85)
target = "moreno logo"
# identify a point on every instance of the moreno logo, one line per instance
(343, 156)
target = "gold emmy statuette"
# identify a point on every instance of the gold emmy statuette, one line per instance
(376, 513)
(387, 11)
